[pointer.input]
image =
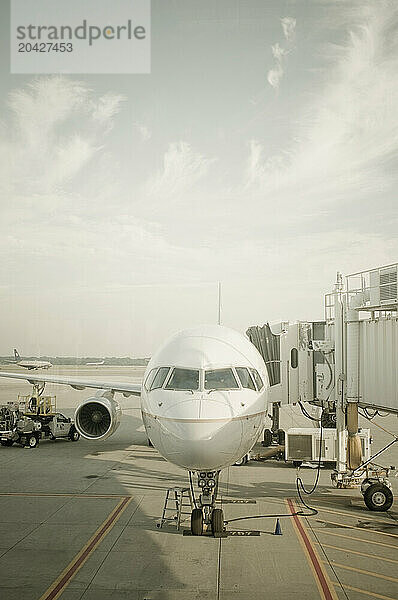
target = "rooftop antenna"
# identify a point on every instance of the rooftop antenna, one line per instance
(219, 302)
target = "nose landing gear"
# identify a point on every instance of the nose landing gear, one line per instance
(217, 522)
(197, 521)
(205, 516)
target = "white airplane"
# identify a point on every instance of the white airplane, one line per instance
(203, 404)
(95, 364)
(30, 364)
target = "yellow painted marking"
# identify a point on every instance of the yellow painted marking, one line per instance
(329, 499)
(309, 561)
(372, 556)
(394, 535)
(347, 514)
(351, 537)
(355, 589)
(371, 573)
(49, 592)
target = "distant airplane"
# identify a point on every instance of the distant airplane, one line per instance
(203, 404)
(30, 364)
(95, 364)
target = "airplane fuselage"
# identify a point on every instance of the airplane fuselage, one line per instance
(34, 364)
(204, 398)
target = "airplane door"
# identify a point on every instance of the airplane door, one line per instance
(59, 427)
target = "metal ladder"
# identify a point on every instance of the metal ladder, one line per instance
(176, 495)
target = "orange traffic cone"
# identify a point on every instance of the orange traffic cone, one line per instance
(278, 529)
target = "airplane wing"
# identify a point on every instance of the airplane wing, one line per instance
(127, 389)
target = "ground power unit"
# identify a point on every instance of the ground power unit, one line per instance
(303, 445)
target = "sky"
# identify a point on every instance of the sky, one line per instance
(261, 152)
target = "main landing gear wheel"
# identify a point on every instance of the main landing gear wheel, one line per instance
(197, 522)
(217, 521)
(267, 440)
(378, 497)
(281, 437)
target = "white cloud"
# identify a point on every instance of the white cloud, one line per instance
(60, 189)
(57, 127)
(62, 198)
(279, 53)
(43, 104)
(182, 169)
(69, 158)
(347, 141)
(289, 27)
(274, 76)
(255, 166)
(144, 131)
(106, 107)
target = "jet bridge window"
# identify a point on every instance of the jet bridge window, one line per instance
(160, 378)
(183, 379)
(257, 379)
(220, 379)
(245, 378)
(294, 358)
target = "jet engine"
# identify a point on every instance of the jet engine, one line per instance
(98, 417)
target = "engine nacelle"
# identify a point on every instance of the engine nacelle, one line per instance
(98, 417)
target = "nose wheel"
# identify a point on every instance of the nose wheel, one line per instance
(205, 514)
(216, 522)
(197, 521)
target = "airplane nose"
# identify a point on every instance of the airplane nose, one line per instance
(206, 409)
(204, 435)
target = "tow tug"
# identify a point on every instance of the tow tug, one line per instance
(32, 418)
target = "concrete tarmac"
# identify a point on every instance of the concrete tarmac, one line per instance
(78, 521)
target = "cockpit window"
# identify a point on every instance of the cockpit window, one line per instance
(149, 379)
(183, 379)
(220, 379)
(159, 378)
(245, 378)
(257, 379)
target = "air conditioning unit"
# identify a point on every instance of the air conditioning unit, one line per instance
(384, 286)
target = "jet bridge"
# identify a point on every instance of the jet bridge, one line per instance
(347, 361)
(301, 357)
(298, 370)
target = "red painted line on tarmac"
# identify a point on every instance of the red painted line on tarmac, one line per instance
(56, 589)
(327, 590)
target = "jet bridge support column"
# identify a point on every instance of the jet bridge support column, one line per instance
(339, 310)
(352, 390)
